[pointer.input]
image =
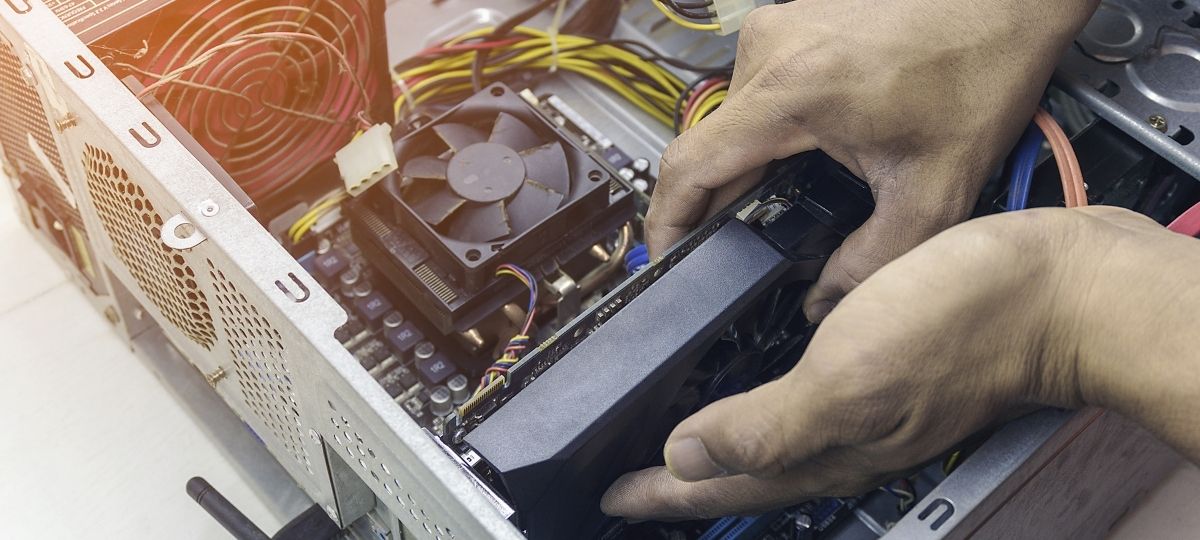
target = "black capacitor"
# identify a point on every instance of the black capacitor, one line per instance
(373, 307)
(404, 337)
(332, 263)
(435, 369)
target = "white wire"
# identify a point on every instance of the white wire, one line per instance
(555, 25)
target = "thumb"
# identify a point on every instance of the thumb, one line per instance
(901, 221)
(763, 432)
(714, 162)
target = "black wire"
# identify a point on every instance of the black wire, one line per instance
(501, 32)
(674, 4)
(687, 91)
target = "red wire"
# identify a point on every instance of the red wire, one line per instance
(704, 86)
(1189, 223)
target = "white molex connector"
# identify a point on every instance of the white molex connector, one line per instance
(732, 13)
(367, 159)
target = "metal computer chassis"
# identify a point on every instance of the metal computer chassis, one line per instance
(186, 273)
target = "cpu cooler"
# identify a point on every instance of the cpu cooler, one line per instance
(489, 182)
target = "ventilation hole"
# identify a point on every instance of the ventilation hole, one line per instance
(1193, 20)
(1183, 136)
(271, 396)
(1109, 88)
(1178, 4)
(131, 222)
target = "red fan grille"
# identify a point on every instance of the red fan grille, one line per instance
(270, 88)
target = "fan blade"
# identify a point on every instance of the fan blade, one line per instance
(513, 133)
(459, 136)
(425, 167)
(533, 203)
(431, 200)
(480, 223)
(547, 165)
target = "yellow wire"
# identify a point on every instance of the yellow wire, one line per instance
(584, 60)
(707, 107)
(310, 218)
(675, 18)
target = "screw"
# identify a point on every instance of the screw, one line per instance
(1159, 122)
(215, 377)
(66, 122)
(332, 513)
(110, 313)
(209, 208)
(312, 434)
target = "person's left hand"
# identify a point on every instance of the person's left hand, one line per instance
(981, 320)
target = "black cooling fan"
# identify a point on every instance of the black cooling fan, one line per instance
(488, 187)
(489, 182)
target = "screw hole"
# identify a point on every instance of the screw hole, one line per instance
(1183, 136)
(473, 255)
(497, 91)
(1109, 89)
(595, 176)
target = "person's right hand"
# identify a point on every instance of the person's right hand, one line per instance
(920, 98)
(1046, 307)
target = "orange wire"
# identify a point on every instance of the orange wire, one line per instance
(1074, 190)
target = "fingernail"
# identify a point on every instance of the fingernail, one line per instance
(688, 460)
(820, 310)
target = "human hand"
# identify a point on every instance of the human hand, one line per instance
(1030, 308)
(920, 98)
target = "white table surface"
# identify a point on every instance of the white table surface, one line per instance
(93, 446)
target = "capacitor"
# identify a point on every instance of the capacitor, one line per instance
(393, 320)
(439, 401)
(424, 351)
(350, 277)
(362, 289)
(458, 389)
(641, 165)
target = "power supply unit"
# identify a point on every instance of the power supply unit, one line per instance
(422, 343)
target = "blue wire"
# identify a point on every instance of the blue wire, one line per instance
(1024, 160)
(637, 258)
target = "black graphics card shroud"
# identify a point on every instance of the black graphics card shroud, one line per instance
(487, 183)
(597, 409)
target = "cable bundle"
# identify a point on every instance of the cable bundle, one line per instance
(686, 14)
(449, 71)
(519, 342)
(269, 88)
(701, 98)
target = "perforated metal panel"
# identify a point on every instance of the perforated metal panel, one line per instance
(261, 362)
(134, 227)
(358, 446)
(23, 124)
(234, 302)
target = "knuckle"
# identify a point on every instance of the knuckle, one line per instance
(669, 169)
(759, 450)
(754, 26)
